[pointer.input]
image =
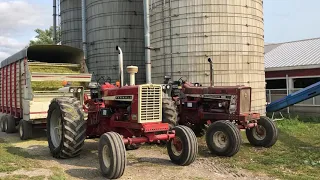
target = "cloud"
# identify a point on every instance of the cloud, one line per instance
(17, 14)
(4, 55)
(18, 20)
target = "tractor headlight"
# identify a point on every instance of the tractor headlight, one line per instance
(163, 87)
(168, 86)
(79, 90)
(71, 90)
(233, 104)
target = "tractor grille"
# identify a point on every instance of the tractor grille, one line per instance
(150, 103)
(245, 100)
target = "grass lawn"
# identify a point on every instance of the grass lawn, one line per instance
(296, 155)
(13, 159)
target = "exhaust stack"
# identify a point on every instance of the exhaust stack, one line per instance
(120, 56)
(211, 72)
(132, 70)
(55, 22)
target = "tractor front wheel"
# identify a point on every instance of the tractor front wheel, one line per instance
(183, 149)
(223, 138)
(66, 127)
(112, 155)
(265, 134)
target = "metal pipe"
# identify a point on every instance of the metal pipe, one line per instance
(147, 40)
(211, 72)
(84, 29)
(120, 56)
(163, 40)
(54, 22)
(170, 29)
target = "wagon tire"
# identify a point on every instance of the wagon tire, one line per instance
(2, 125)
(183, 148)
(66, 128)
(25, 130)
(223, 138)
(267, 136)
(11, 124)
(112, 155)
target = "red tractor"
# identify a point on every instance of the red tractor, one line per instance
(124, 116)
(219, 113)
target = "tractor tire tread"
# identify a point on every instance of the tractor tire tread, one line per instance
(169, 112)
(271, 137)
(233, 133)
(190, 148)
(118, 155)
(74, 127)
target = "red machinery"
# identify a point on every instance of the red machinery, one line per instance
(120, 116)
(219, 112)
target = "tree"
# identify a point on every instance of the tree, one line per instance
(45, 36)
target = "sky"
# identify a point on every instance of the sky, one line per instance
(285, 20)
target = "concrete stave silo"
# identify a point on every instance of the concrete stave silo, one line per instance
(71, 30)
(186, 33)
(115, 23)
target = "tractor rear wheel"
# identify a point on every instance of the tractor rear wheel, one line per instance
(169, 112)
(183, 149)
(112, 155)
(66, 127)
(11, 124)
(223, 138)
(265, 134)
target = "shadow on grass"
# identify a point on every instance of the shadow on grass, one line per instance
(293, 142)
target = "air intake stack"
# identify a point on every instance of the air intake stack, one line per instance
(132, 70)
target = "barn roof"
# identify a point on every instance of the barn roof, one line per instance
(303, 54)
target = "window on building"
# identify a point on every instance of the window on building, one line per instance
(305, 82)
(276, 84)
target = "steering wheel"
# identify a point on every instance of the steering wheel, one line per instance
(181, 80)
(108, 80)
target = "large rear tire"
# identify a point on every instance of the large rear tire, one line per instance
(183, 149)
(11, 124)
(25, 130)
(265, 134)
(169, 112)
(223, 138)
(112, 155)
(66, 127)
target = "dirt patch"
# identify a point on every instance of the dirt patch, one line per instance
(29, 173)
(148, 162)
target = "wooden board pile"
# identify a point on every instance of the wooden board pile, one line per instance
(53, 68)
